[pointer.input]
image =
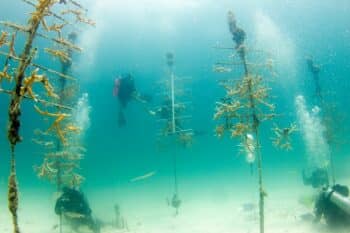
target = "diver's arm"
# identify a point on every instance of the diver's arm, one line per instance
(137, 96)
(142, 98)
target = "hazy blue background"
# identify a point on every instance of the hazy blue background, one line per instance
(133, 36)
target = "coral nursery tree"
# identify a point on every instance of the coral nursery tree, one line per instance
(245, 106)
(174, 115)
(63, 150)
(26, 73)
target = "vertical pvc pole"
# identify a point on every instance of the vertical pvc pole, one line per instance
(173, 102)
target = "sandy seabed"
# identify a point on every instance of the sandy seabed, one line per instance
(205, 213)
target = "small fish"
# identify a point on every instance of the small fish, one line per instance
(199, 132)
(153, 113)
(248, 207)
(143, 177)
(221, 69)
(307, 217)
(74, 215)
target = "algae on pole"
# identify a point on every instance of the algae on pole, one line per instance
(25, 77)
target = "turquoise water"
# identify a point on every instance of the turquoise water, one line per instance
(134, 37)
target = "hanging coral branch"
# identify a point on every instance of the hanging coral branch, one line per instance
(34, 78)
(48, 11)
(65, 76)
(282, 136)
(59, 166)
(80, 16)
(56, 124)
(62, 55)
(3, 38)
(44, 102)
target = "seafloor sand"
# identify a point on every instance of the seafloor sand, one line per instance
(205, 210)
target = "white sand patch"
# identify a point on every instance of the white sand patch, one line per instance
(198, 214)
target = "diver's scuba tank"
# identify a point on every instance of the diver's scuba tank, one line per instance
(339, 196)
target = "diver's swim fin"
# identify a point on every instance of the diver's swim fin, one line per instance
(121, 119)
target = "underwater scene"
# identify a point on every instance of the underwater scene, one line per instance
(164, 116)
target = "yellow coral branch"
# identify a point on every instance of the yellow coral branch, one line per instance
(56, 124)
(62, 55)
(33, 78)
(3, 38)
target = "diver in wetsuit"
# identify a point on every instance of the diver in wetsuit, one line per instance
(125, 90)
(73, 206)
(317, 178)
(333, 204)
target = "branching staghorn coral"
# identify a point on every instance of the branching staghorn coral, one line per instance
(15, 26)
(62, 55)
(65, 158)
(60, 130)
(61, 75)
(35, 78)
(282, 136)
(185, 139)
(3, 38)
(59, 166)
(55, 27)
(23, 82)
(60, 40)
(219, 131)
(80, 16)
(4, 74)
(66, 43)
(64, 168)
(12, 46)
(244, 107)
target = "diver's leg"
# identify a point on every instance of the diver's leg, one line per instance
(121, 117)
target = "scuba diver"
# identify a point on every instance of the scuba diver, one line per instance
(317, 178)
(125, 90)
(74, 208)
(333, 204)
